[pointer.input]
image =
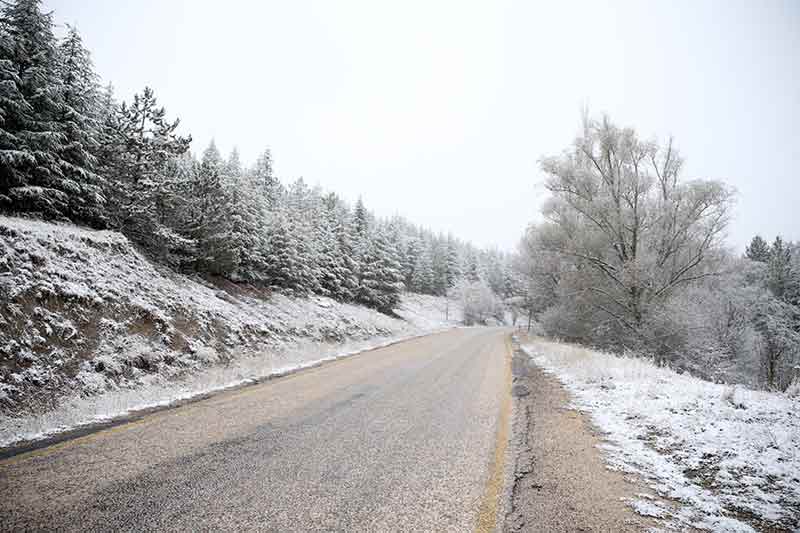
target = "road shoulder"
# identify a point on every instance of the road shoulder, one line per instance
(556, 477)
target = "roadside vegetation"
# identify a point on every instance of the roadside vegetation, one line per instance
(630, 257)
(686, 354)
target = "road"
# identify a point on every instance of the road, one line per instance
(403, 438)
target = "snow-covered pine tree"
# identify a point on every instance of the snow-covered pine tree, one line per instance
(336, 267)
(446, 264)
(453, 262)
(328, 254)
(173, 213)
(757, 250)
(106, 118)
(473, 270)
(212, 214)
(423, 278)
(359, 238)
(360, 223)
(779, 268)
(139, 144)
(79, 121)
(285, 269)
(247, 222)
(34, 176)
(411, 250)
(272, 189)
(304, 207)
(381, 278)
(347, 266)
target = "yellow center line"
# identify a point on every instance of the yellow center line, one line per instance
(487, 515)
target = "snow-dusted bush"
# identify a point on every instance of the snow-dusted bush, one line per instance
(479, 303)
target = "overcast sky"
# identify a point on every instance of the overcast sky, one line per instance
(440, 110)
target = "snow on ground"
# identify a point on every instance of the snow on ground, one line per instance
(728, 457)
(155, 392)
(90, 329)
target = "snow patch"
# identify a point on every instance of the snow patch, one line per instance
(729, 457)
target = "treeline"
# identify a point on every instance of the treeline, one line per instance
(69, 151)
(631, 257)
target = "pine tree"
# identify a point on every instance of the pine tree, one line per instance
(79, 121)
(271, 187)
(34, 174)
(381, 279)
(473, 271)
(337, 276)
(409, 258)
(304, 207)
(349, 267)
(453, 272)
(214, 216)
(329, 257)
(246, 222)
(758, 250)
(285, 266)
(779, 268)
(423, 278)
(139, 144)
(360, 221)
(359, 238)
(174, 216)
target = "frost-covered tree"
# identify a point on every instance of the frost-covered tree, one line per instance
(360, 222)
(472, 269)
(408, 261)
(264, 177)
(539, 273)
(350, 267)
(140, 143)
(758, 250)
(79, 121)
(213, 216)
(423, 278)
(479, 303)
(633, 230)
(452, 266)
(777, 321)
(381, 281)
(337, 267)
(304, 208)
(284, 263)
(247, 222)
(779, 269)
(45, 161)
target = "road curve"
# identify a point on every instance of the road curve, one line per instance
(397, 439)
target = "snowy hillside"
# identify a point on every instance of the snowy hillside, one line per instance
(723, 458)
(90, 327)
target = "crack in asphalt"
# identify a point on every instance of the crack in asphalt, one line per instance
(523, 427)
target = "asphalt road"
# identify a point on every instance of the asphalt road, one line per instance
(403, 438)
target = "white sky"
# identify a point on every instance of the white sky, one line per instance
(440, 110)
